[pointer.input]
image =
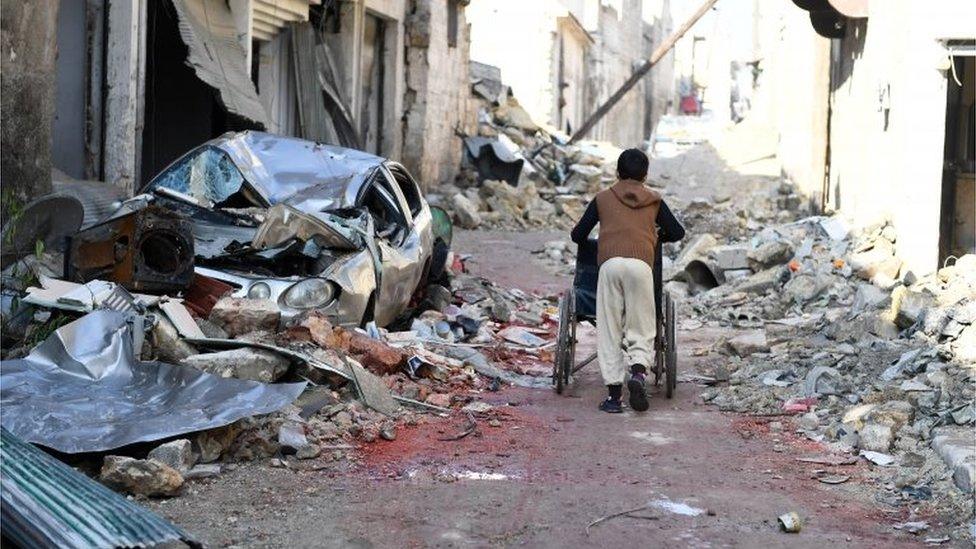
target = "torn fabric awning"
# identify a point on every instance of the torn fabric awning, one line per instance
(215, 54)
(84, 390)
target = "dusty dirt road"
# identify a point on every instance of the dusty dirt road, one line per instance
(552, 466)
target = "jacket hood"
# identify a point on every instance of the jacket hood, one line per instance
(635, 194)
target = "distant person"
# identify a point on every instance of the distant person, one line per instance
(632, 218)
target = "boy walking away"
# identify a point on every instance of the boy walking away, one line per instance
(632, 218)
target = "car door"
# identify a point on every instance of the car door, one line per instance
(398, 245)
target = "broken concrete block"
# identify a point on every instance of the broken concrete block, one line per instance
(904, 364)
(696, 249)
(803, 287)
(824, 380)
(877, 437)
(957, 448)
(211, 444)
(292, 440)
(375, 355)
(909, 307)
(763, 281)
(204, 470)
(893, 412)
(570, 205)
(730, 257)
(511, 113)
(178, 454)
(146, 477)
(770, 254)
(869, 297)
(465, 212)
(239, 316)
(243, 363)
(855, 416)
(878, 260)
(749, 343)
(964, 347)
(166, 342)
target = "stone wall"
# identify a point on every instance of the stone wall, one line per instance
(28, 46)
(619, 46)
(437, 93)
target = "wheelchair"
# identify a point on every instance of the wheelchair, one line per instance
(578, 304)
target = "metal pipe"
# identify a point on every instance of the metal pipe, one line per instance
(656, 56)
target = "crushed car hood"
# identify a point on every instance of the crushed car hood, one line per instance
(311, 177)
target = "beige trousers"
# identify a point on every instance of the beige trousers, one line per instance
(625, 319)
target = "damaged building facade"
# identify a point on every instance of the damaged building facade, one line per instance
(886, 125)
(141, 82)
(570, 55)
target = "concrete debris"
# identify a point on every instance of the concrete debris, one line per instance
(830, 326)
(749, 343)
(144, 477)
(178, 454)
(238, 316)
(243, 363)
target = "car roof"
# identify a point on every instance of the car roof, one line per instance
(307, 175)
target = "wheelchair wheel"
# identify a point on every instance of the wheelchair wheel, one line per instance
(670, 351)
(565, 355)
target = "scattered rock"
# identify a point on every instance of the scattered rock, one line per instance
(144, 477)
(238, 316)
(178, 454)
(465, 212)
(203, 470)
(749, 343)
(243, 363)
(769, 255)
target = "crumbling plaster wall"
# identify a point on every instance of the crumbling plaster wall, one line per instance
(518, 37)
(619, 47)
(28, 46)
(436, 105)
(659, 90)
(791, 99)
(887, 127)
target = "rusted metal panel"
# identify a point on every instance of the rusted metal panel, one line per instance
(147, 250)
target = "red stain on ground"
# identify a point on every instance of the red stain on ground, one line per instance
(421, 446)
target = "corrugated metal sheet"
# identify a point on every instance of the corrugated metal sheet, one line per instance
(270, 16)
(45, 503)
(208, 29)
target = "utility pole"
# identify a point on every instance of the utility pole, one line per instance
(656, 56)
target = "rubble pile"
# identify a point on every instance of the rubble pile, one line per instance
(360, 384)
(834, 328)
(518, 175)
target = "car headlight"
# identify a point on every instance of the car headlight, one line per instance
(307, 294)
(260, 290)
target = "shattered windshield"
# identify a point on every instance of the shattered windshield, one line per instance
(207, 174)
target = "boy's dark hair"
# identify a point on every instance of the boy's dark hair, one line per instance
(632, 164)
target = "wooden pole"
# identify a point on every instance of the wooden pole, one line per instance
(645, 67)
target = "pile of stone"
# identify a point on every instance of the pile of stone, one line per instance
(833, 327)
(453, 350)
(556, 182)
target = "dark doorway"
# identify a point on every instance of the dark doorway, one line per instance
(957, 225)
(373, 83)
(181, 111)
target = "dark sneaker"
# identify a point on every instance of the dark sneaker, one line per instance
(638, 395)
(611, 406)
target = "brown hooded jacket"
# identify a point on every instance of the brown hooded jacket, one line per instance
(628, 211)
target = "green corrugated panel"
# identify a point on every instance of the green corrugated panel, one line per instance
(45, 503)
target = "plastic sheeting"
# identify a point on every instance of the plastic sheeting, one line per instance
(82, 390)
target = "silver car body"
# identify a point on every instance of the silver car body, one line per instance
(376, 280)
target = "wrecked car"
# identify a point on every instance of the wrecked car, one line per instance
(306, 225)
